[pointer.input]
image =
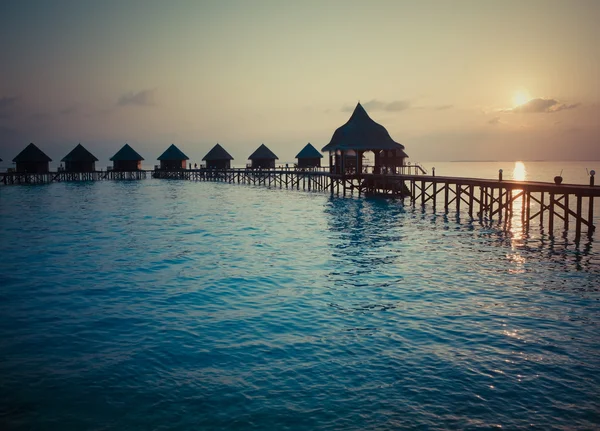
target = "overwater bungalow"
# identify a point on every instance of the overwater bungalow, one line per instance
(173, 159)
(359, 135)
(262, 158)
(80, 160)
(127, 159)
(32, 160)
(218, 158)
(309, 157)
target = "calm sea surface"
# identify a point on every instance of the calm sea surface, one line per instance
(167, 305)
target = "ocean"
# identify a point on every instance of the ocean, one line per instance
(174, 305)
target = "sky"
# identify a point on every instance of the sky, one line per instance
(450, 80)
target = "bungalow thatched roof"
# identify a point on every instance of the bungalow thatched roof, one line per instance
(217, 153)
(31, 154)
(263, 152)
(126, 153)
(173, 153)
(79, 154)
(361, 133)
(309, 152)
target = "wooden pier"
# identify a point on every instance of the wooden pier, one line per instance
(564, 207)
(8, 178)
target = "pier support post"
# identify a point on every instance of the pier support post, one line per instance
(471, 199)
(551, 215)
(591, 216)
(566, 202)
(542, 209)
(446, 196)
(578, 220)
(481, 206)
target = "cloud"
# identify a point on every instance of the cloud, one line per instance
(7, 102)
(541, 105)
(40, 117)
(494, 121)
(141, 98)
(7, 105)
(397, 105)
(69, 110)
(377, 105)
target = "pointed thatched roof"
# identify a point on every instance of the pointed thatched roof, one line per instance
(30, 154)
(263, 152)
(79, 154)
(361, 133)
(173, 153)
(217, 153)
(309, 152)
(126, 153)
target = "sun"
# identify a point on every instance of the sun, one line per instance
(520, 98)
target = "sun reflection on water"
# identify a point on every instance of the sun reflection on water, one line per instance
(519, 172)
(516, 222)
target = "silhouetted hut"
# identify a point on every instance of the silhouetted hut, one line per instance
(359, 135)
(218, 158)
(80, 160)
(309, 157)
(32, 160)
(127, 159)
(263, 158)
(173, 159)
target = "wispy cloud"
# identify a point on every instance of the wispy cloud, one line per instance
(40, 117)
(7, 105)
(6, 102)
(494, 121)
(141, 98)
(377, 105)
(540, 105)
(69, 110)
(394, 106)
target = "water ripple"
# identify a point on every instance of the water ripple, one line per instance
(173, 305)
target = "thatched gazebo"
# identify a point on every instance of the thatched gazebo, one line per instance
(127, 159)
(173, 159)
(218, 158)
(32, 160)
(309, 157)
(359, 135)
(263, 158)
(80, 160)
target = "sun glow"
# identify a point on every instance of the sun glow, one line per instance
(521, 97)
(519, 171)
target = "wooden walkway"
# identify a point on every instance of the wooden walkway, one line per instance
(9, 178)
(564, 207)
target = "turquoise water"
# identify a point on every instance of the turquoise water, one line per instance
(177, 305)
